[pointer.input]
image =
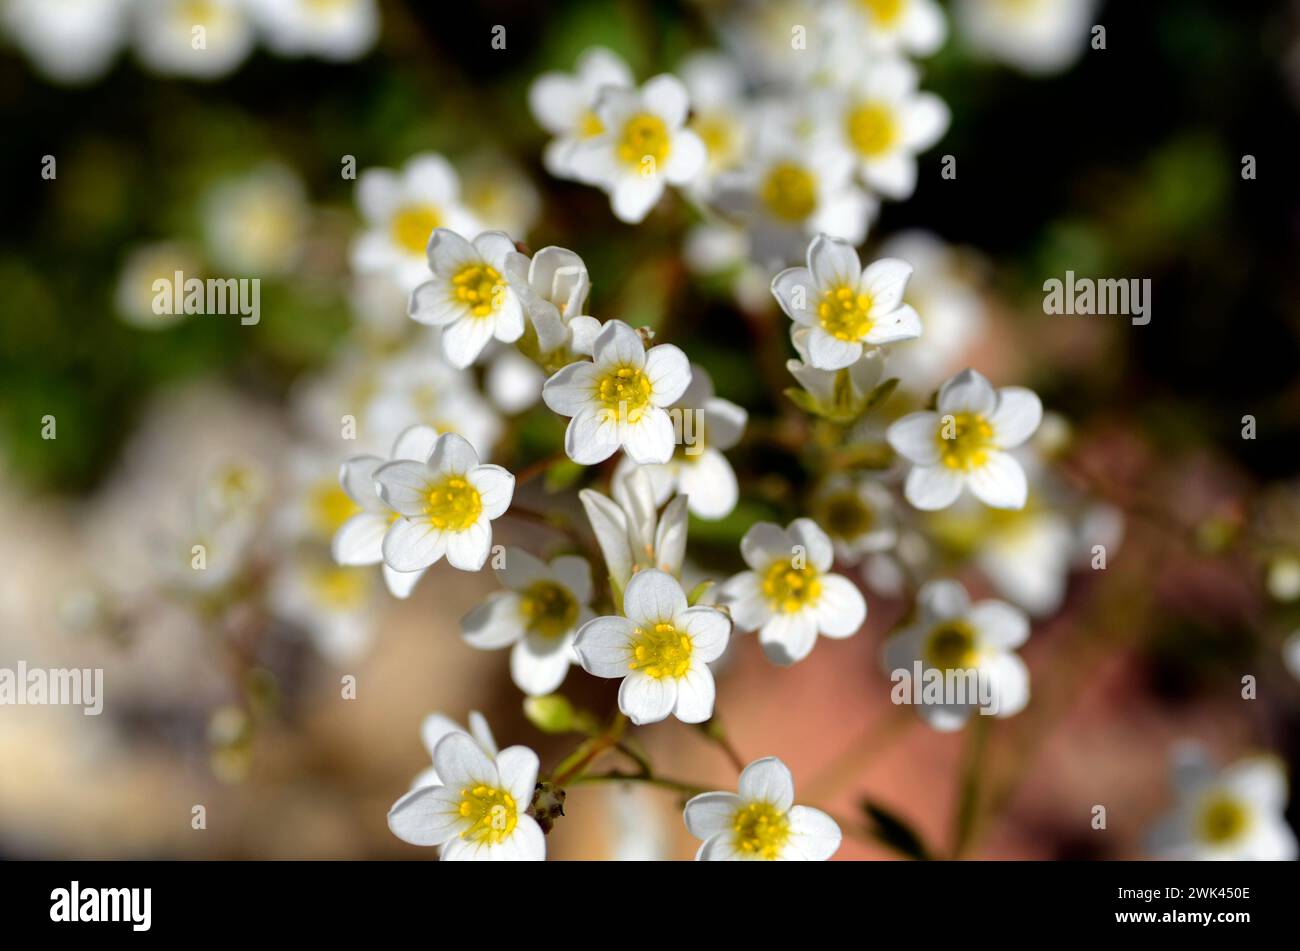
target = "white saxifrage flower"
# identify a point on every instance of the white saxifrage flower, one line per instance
(199, 39)
(334, 603)
(762, 822)
(468, 297)
(845, 307)
(789, 595)
(644, 144)
(1234, 814)
(335, 30)
(447, 504)
(630, 531)
(719, 114)
(619, 399)
(965, 442)
(916, 27)
(858, 513)
(479, 812)
(1038, 38)
(661, 648)
(952, 635)
(402, 210)
(70, 42)
(552, 288)
(360, 540)
(539, 615)
(885, 122)
(256, 223)
(706, 427)
(564, 104)
(437, 725)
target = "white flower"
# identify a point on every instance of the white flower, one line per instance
(845, 307)
(661, 649)
(951, 634)
(858, 513)
(335, 30)
(719, 114)
(762, 823)
(499, 193)
(335, 603)
(552, 287)
(512, 381)
(964, 443)
(619, 399)
(643, 144)
(1038, 37)
(838, 394)
(1236, 814)
(71, 41)
(706, 426)
(436, 725)
(134, 296)
(564, 105)
(789, 594)
(360, 539)
(255, 223)
(199, 39)
(469, 297)
(917, 27)
(539, 615)
(402, 210)
(631, 534)
(479, 812)
(884, 122)
(447, 504)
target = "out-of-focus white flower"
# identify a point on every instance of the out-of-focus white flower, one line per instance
(469, 297)
(254, 224)
(719, 113)
(637, 828)
(789, 594)
(135, 294)
(915, 27)
(539, 615)
(479, 812)
(952, 635)
(661, 648)
(68, 41)
(774, 41)
(552, 286)
(335, 603)
(619, 399)
(706, 426)
(513, 382)
(885, 123)
(317, 504)
(631, 534)
(762, 822)
(1234, 814)
(437, 725)
(1283, 578)
(500, 194)
(644, 145)
(402, 210)
(198, 39)
(964, 443)
(1035, 36)
(447, 503)
(857, 513)
(845, 307)
(564, 104)
(331, 29)
(360, 539)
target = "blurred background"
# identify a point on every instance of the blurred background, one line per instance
(226, 692)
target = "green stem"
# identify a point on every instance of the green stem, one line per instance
(969, 793)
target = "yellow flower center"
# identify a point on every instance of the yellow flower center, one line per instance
(1222, 819)
(789, 192)
(329, 507)
(846, 516)
(872, 128)
(644, 136)
(885, 12)
(845, 313)
(718, 133)
(964, 440)
(412, 225)
(788, 589)
(491, 814)
(626, 392)
(548, 608)
(760, 830)
(339, 589)
(479, 287)
(661, 651)
(951, 646)
(590, 126)
(454, 505)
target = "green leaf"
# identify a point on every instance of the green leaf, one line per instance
(893, 831)
(881, 393)
(805, 401)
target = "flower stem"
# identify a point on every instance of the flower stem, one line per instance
(969, 793)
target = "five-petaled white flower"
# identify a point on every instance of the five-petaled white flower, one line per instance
(539, 615)
(762, 823)
(917, 27)
(789, 594)
(1237, 813)
(964, 443)
(845, 307)
(479, 812)
(447, 504)
(706, 426)
(402, 210)
(643, 144)
(618, 399)
(564, 104)
(661, 648)
(469, 296)
(951, 635)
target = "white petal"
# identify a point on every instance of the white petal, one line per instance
(496, 488)
(834, 263)
(404, 486)
(726, 422)
(571, 389)
(646, 699)
(795, 291)
(1017, 417)
(592, 437)
(603, 646)
(482, 733)
(517, 767)
(930, 488)
(634, 196)
(832, 353)
(1260, 780)
(453, 455)
(670, 537)
(415, 442)
(711, 813)
(1000, 482)
(538, 666)
(767, 780)
(434, 727)
(429, 815)
(495, 623)
(609, 525)
(360, 540)
(788, 638)
(574, 572)
(401, 583)
(411, 545)
(666, 97)
(462, 762)
(999, 624)
(695, 695)
(841, 608)
(719, 848)
(942, 599)
(743, 594)
(449, 253)
(709, 630)
(669, 372)
(886, 281)
(464, 339)
(1010, 681)
(764, 543)
(619, 345)
(432, 177)
(814, 836)
(967, 392)
(815, 543)
(357, 477)
(468, 550)
(431, 304)
(925, 121)
(378, 192)
(709, 483)
(902, 323)
(653, 597)
(686, 157)
(650, 440)
(915, 437)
